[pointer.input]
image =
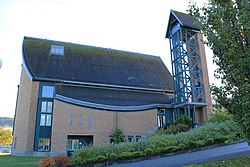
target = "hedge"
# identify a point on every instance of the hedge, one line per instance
(207, 134)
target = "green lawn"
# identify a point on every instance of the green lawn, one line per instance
(7, 160)
(234, 162)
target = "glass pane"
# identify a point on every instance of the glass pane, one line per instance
(69, 147)
(49, 108)
(159, 122)
(138, 138)
(42, 121)
(44, 104)
(46, 148)
(75, 144)
(40, 146)
(48, 120)
(48, 91)
(163, 121)
(130, 138)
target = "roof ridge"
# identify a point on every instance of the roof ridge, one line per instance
(97, 47)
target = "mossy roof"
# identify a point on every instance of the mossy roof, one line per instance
(81, 63)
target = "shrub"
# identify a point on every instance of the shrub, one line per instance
(182, 146)
(220, 115)
(118, 136)
(138, 154)
(148, 151)
(209, 133)
(126, 155)
(61, 161)
(209, 141)
(184, 119)
(181, 124)
(176, 128)
(46, 162)
(101, 158)
(113, 156)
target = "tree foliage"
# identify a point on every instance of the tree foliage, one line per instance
(118, 135)
(5, 136)
(226, 25)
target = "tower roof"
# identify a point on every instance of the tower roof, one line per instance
(183, 19)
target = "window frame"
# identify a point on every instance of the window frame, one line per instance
(57, 50)
(161, 118)
(46, 114)
(45, 148)
(138, 138)
(48, 91)
(130, 137)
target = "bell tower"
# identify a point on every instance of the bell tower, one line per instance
(189, 68)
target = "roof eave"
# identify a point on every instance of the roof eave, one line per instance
(111, 107)
(100, 85)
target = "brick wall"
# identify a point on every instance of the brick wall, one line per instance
(26, 113)
(208, 109)
(99, 123)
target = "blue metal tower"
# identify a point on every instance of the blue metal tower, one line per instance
(187, 72)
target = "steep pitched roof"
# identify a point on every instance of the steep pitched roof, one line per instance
(185, 20)
(88, 64)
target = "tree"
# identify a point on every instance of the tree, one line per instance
(226, 26)
(5, 136)
(118, 136)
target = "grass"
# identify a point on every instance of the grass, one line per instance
(7, 160)
(234, 162)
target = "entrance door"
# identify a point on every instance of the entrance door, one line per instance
(77, 142)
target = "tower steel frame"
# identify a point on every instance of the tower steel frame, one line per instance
(186, 70)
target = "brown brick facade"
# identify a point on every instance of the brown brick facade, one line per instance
(99, 123)
(208, 109)
(25, 117)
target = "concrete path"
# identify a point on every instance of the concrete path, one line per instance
(219, 153)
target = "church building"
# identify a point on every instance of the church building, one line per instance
(72, 95)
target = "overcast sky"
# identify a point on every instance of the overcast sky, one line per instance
(130, 25)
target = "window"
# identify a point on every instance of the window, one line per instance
(130, 138)
(45, 120)
(48, 91)
(138, 138)
(57, 50)
(122, 139)
(78, 142)
(73, 144)
(46, 113)
(46, 107)
(44, 144)
(161, 121)
(111, 139)
(161, 118)
(42, 121)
